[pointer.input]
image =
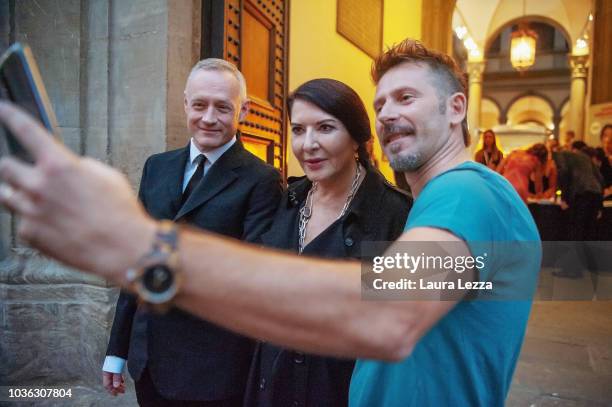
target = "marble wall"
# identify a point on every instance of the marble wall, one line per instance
(106, 67)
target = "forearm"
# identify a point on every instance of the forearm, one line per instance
(306, 304)
(310, 305)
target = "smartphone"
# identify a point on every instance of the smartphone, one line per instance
(21, 83)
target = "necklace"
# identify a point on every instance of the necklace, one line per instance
(306, 211)
(490, 157)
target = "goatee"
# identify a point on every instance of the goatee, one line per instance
(405, 162)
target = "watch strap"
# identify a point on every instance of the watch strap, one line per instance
(163, 252)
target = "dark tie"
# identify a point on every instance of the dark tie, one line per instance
(195, 178)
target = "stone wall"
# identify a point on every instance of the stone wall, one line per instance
(106, 65)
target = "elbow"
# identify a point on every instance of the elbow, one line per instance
(393, 342)
(398, 348)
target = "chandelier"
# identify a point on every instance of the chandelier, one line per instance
(523, 47)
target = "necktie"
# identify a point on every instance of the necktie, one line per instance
(195, 178)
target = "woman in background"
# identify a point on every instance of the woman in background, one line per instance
(606, 141)
(489, 154)
(549, 174)
(521, 165)
(342, 201)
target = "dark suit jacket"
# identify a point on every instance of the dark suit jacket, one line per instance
(187, 358)
(576, 174)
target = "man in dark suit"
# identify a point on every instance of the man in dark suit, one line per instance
(215, 184)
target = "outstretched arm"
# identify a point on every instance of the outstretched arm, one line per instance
(312, 305)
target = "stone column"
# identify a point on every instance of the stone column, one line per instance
(475, 70)
(115, 73)
(503, 116)
(577, 94)
(556, 122)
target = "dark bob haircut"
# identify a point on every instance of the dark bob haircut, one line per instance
(342, 102)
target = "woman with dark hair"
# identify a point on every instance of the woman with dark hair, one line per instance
(489, 154)
(521, 165)
(342, 201)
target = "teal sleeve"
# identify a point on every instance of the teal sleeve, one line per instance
(461, 203)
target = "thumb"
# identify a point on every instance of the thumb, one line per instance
(116, 380)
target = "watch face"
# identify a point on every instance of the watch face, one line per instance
(158, 279)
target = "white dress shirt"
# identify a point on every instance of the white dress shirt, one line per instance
(211, 157)
(115, 364)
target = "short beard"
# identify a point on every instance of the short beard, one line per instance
(406, 162)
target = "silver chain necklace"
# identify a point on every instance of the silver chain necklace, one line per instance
(306, 211)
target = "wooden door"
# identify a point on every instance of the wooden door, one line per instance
(253, 35)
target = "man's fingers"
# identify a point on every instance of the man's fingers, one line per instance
(18, 174)
(117, 386)
(16, 201)
(113, 383)
(117, 379)
(30, 133)
(107, 382)
(7, 193)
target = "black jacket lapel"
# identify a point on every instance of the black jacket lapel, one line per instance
(172, 179)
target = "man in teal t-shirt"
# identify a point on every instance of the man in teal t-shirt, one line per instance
(468, 357)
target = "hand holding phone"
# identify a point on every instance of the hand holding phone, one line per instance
(21, 83)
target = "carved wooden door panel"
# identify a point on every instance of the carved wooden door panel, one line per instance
(253, 35)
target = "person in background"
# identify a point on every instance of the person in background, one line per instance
(521, 165)
(548, 175)
(489, 155)
(604, 228)
(340, 202)
(599, 158)
(605, 136)
(552, 144)
(581, 184)
(569, 138)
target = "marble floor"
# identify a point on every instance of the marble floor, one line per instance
(566, 360)
(567, 356)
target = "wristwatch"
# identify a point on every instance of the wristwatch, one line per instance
(156, 277)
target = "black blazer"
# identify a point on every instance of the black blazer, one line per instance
(187, 358)
(281, 377)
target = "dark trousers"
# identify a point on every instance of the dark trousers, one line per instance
(583, 216)
(582, 228)
(147, 396)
